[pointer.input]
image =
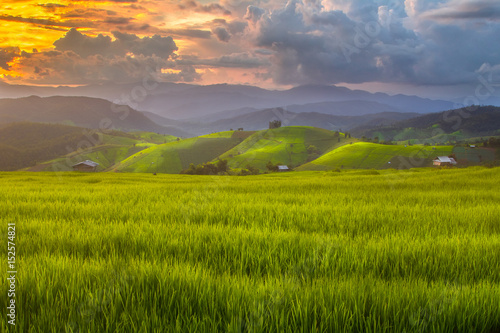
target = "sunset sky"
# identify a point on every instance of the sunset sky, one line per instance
(273, 44)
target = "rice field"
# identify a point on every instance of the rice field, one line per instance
(351, 251)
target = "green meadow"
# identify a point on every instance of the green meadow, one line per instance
(366, 155)
(351, 251)
(286, 145)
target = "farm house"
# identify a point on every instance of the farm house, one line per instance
(444, 160)
(283, 168)
(86, 166)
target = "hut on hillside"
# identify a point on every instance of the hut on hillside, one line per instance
(283, 168)
(444, 160)
(86, 166)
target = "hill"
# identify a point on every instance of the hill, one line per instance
(445, 126)
(79, 111)
(25, 144)
(54, 147)
(285, 145)
(365, 155)
(178, 155)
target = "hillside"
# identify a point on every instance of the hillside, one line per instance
(79, 111)
(178, 155)
(451, 125)
(285, 145)
(24, 144)
(53, 147)
(365, 155)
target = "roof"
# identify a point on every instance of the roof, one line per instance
(87, 162)
(282, 167)
(445, 159)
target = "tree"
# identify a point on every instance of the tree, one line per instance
(271, 167)
(274, 124)
(222, 166)
(253, 170)
(313, 150)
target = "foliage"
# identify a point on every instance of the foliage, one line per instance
(274, 124)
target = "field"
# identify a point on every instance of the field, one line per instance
(351, 251)
(365, 155)
(175, 156)
(286, 145)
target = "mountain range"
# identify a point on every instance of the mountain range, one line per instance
(187, 101)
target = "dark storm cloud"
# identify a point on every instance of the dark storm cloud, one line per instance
(223, 29)
(222, 34)
(88, 12)
(85, 46)
(43, 22)
(7, 55)
(254, 13)
(210, 8)
(52, 6)
(373, 41)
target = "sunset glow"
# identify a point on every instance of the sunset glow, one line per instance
(277, 44)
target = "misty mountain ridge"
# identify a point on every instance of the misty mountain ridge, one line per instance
(185, 101)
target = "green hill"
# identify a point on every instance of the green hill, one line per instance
(176, 156)
(285, 145)
(47, 147)
(452, 125)
(365, 155)
(80, 111)
(25, 144)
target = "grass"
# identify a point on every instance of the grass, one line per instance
(286, 145)
(365, 155)
(396, 251)
(176, 156)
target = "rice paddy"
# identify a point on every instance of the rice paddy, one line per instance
(351, 251)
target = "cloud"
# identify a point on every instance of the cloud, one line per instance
(337, 41)
(56, 67)
(148, 46)
(466, 10)
(81, 59)
(191, 33)
(237, 60)
(43, 22)
(254, 13)
(222, 34)
(210, 8)
(7, 55)
(124, 43)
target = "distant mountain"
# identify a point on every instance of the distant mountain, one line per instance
(79, 111)
(343, 108)
(184, 101)
(259, 120)
(459, 123)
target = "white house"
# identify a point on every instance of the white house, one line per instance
(444, 160)
(282, 168)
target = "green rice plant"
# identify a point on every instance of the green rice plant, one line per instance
(350, 251)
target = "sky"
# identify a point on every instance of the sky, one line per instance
(435, 47)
